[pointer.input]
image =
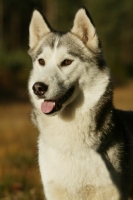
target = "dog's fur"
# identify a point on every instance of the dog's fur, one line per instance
(85, 146)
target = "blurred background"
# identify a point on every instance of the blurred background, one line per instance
(19, 174)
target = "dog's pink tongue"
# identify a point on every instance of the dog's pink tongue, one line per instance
(47, 106)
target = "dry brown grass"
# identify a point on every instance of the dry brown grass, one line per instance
(123, 97)
(19, 174)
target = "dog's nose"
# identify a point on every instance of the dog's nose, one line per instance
(39, 88)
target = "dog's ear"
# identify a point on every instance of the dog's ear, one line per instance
(38, 28)
(84, 28)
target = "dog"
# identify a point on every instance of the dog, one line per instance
(85, 144)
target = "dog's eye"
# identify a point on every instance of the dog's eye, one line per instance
(66, 62)
(41, 62)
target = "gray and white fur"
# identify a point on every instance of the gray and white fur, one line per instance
(85, 144)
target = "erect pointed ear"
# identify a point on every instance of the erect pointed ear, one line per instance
(38, 28)
(83, 27)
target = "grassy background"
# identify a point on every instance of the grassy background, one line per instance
(19, 173)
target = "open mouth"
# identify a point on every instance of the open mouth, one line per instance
(52, 106)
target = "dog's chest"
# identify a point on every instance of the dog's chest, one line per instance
(68, 161)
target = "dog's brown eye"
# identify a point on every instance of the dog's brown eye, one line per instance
(66, 62)
(41, 62)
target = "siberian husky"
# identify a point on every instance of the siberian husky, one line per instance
(85, 144)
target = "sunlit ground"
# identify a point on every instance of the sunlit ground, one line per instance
(123, 97)
(19, 173)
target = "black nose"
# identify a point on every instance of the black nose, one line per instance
(39, 88)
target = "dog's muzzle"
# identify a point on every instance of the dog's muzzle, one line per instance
(50, 106)
(53, 106)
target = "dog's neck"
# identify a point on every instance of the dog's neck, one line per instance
(102, 122)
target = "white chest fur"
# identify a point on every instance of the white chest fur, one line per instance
(66, 159)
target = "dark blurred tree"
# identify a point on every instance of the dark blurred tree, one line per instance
(1, 24)
(60, 14)
(114, 22)
(66, 12)
(17, 16)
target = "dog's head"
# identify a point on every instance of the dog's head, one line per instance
(62, 62)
